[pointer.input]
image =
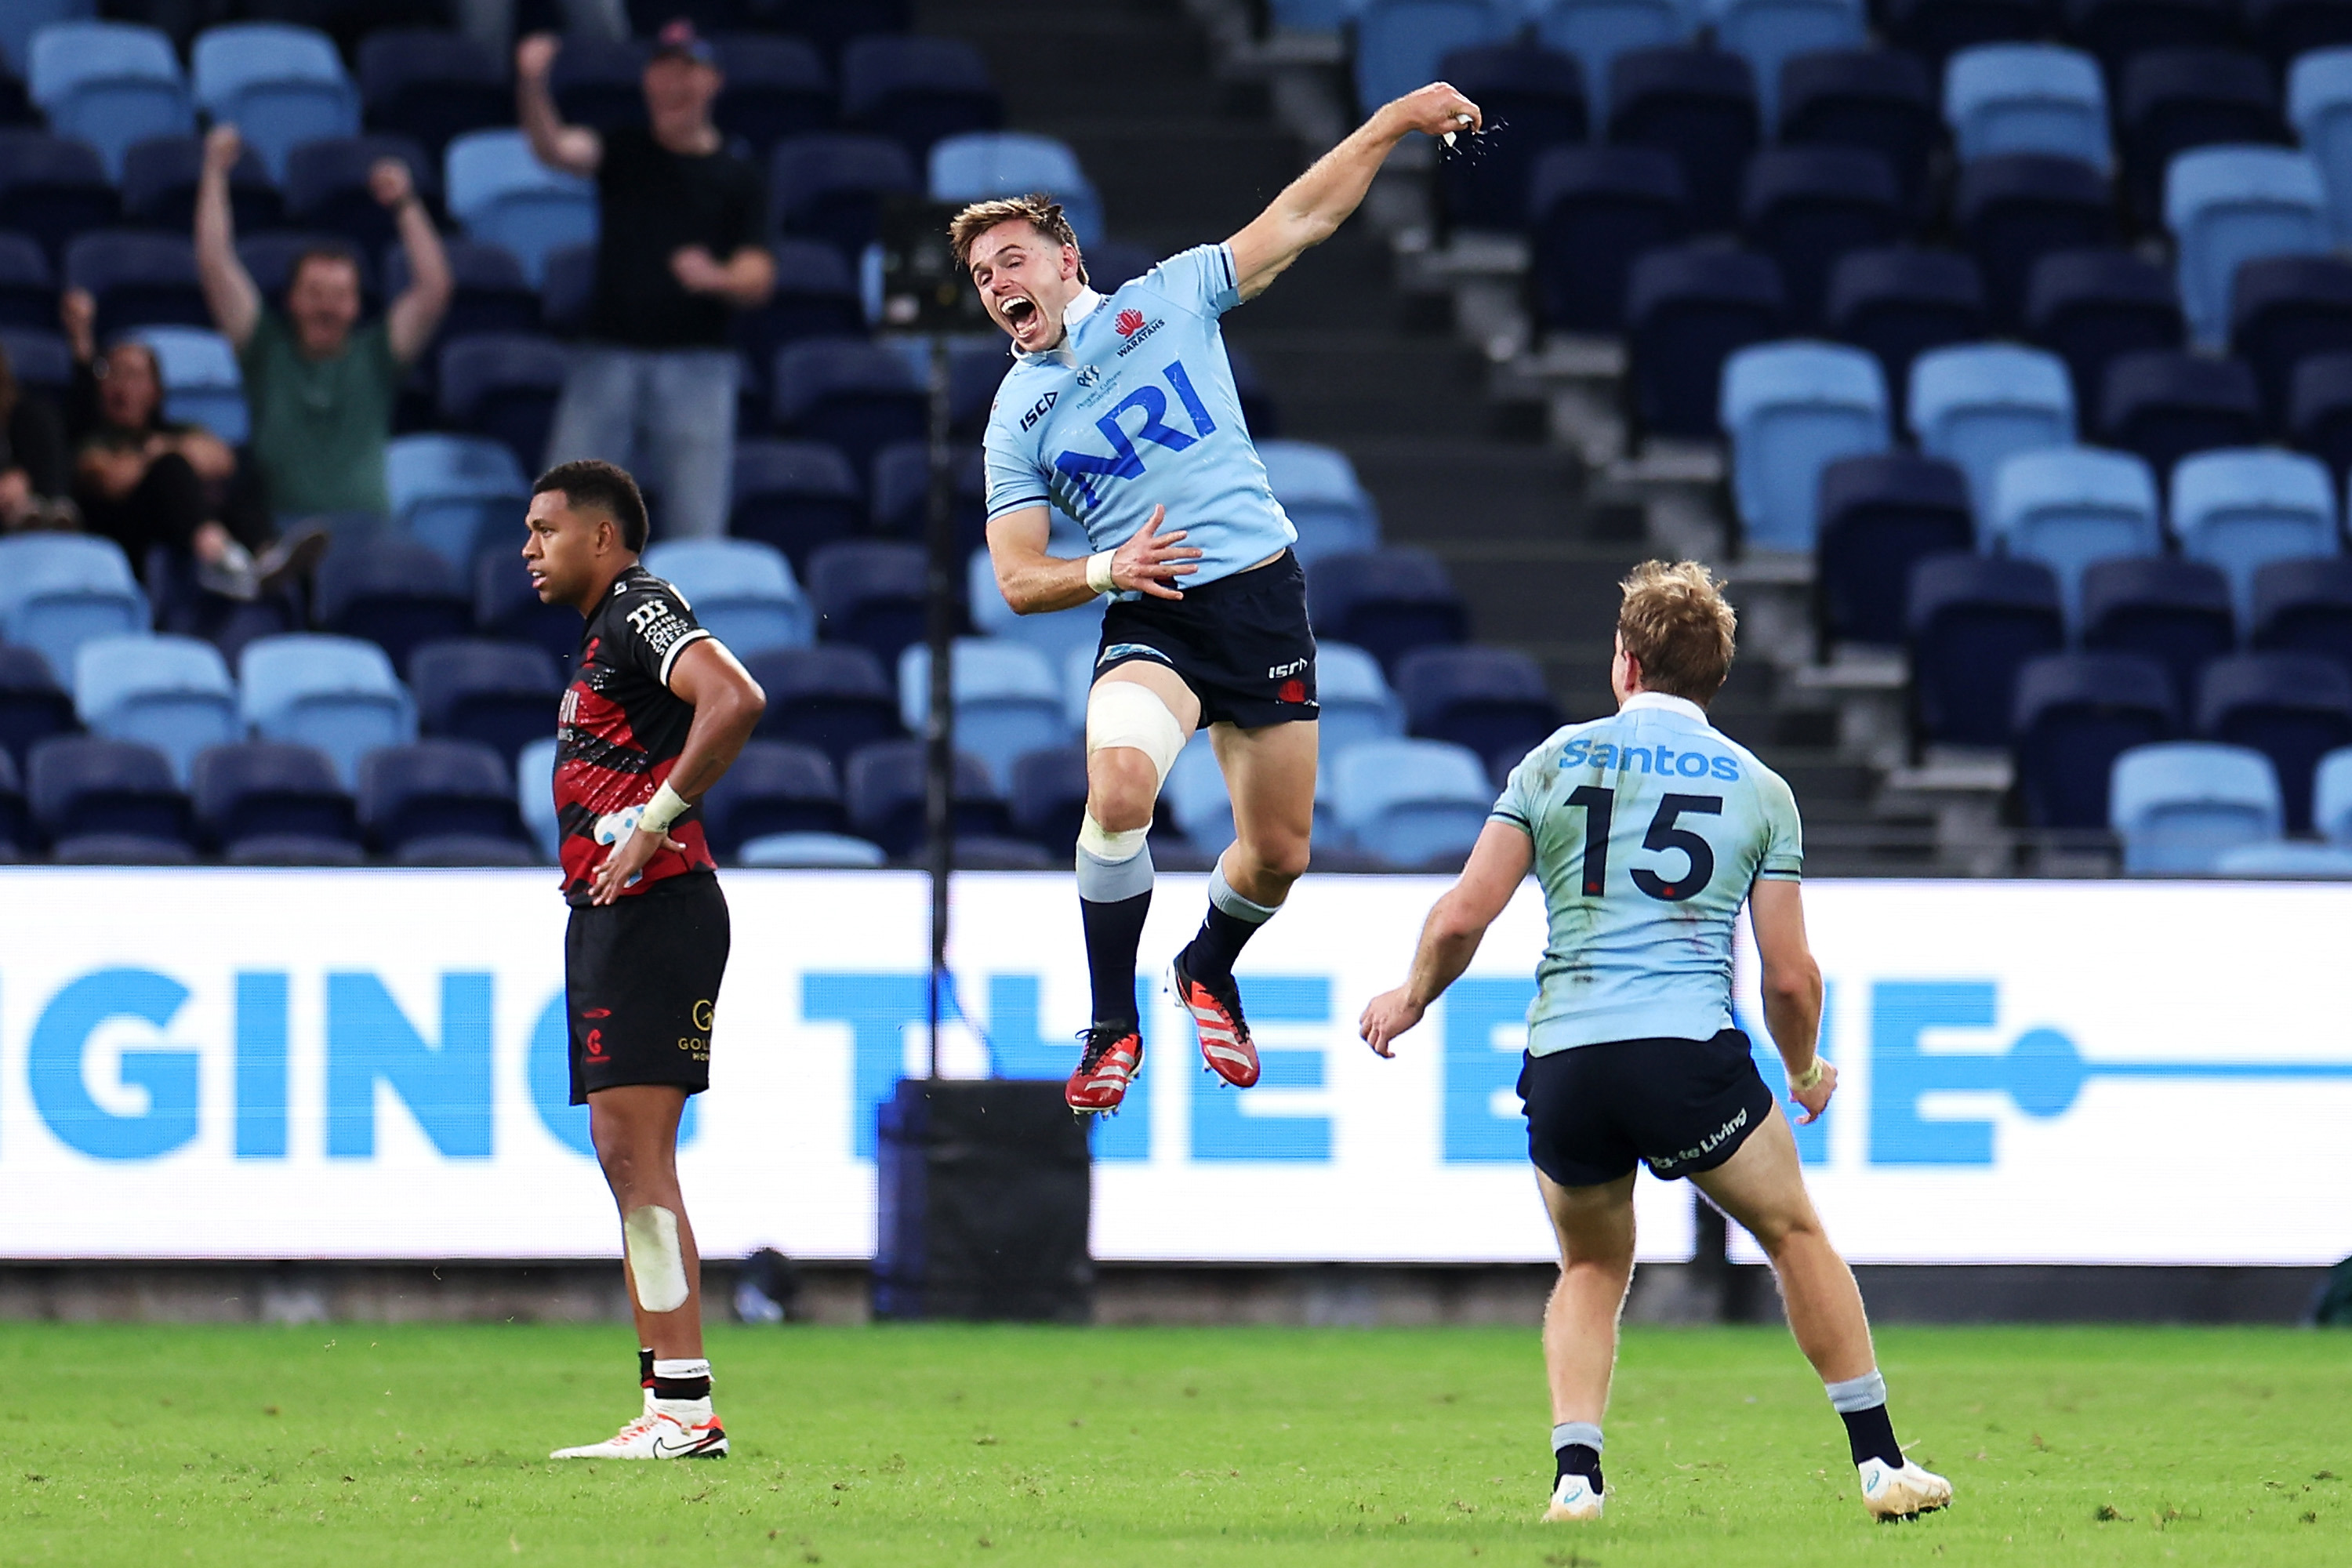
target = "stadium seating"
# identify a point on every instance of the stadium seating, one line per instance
(89, 788)
(1595, 32)
(38, 359)
(23, 18)
(975, 165)
(1791, 409)
(58, 591)
(1491, 700)
(2292, 708)
(1767, 34)
(2180, 804)
(2229, 204)
(432, 85)
(1877, 98)
(1356, 703)
(336, 693)
(1058, 635)
(1386, 601)
(457, 494)
(1400, 42)
(33, 706)
(1411, 803)
(2164, 405)
(772, 787)
(535, 796)
(567, 288)
(1539, 93)
(2319, 107)
(502, 694)
(2075, 714)
(2237, 509)
(2285, 30)
(854, 396)
(109, 85)
(1048, 797)
(28, 289)
(392, 592)
(503, 195)
(917, 91)
(138, 279)
(2069, 506)
(17, 837)
(2116, 30)
(1807, 206)
(327, 190)
(2160, 608)
(1686, 310)
(169, 692)
(52, 188)
(743, 591)
(835, 851)
(437, 789)
(280, 86)
(159, 187)
(794, 496)
(599, 83)
(504, 385)
(1880, 515)
(2090, 306)
(1975, 621)
(816, 297)
(1591, 210)
(901, 491)
(263, 801)
(507, 607)
(1979, 404)
(2012, 209)
(1325, 502)
(884, 789)
(2174, 100)
(776, 86)
(2002, 98)
(2305, 606)
(1899, 302)
(1698, 105)
(202, 382)
(2331, 798)
(833, 697)
(869, 591)
(1008, 700)
(2282, 310)
(828, 185)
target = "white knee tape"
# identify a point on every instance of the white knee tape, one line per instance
(1123, 713)
(654, 1259)
(1116, 848)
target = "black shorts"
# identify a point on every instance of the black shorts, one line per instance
(1241, 643)
(1683, 1106)
(640, 981)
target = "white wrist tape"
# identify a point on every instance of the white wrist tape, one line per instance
(1099, 576)
(1809, 1077)
(665, 807)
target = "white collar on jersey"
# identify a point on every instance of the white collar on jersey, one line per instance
(1077, 310)
(1671, 704)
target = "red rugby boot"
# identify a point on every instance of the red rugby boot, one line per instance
(1216, 1010)
(1113, 1054)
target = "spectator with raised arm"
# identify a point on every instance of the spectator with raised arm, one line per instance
(680, 249)
(320, 383)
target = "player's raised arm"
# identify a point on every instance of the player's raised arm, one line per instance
(727, 707)
(1792, 990)
(1312, 207)
(1450, 938)
(1034, 583)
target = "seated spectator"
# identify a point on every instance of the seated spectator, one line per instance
(678, 247)
(32, 457)
(143, 481)
(321, 386)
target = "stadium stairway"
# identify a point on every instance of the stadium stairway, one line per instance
(1188, 133)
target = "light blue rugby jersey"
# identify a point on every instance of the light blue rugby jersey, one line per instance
(1650, 827)
(1137, 409)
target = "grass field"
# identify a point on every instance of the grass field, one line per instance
(358, 1443)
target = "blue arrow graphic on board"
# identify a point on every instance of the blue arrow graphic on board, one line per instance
(2041, 1072)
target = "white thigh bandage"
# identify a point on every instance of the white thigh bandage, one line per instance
(1124, 713)
(654, 1259)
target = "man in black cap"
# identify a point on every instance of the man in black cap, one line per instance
(679, 248)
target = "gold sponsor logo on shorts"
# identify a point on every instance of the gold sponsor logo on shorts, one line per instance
(703, 1012)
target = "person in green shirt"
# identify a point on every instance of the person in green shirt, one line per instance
(320, 385)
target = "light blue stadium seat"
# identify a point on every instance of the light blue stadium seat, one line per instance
(2331, 798)
(339, 694)
(1077, 680)
(455, 493)
(1008, 700)
(1357, 703)
(59, 590)
(829, 850)
(280, 84)
(1193, 799)
(1409, 802)
(2239, 508)
(171, 693)
(2069, 506)
(978, 164)
(1400, 42)
(1056, 633)
(2027, 97)
(535, 796)
(202, 384)
(110, 84)
(20, 19)
(503, 195)
(1327, 503)
(2179, 805)
(1791, 409)
(1767, 34)
(2319, 107)
(1978, 403)
(2229, 204)
(742, 591)
(1597, 31)
(2287, 861)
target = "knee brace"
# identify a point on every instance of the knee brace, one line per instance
(654, 1260)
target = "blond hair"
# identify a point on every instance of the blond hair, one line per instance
(1676, 624)
(1042, 213)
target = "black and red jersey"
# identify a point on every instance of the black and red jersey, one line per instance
(621, 730)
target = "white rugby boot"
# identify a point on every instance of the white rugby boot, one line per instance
(667, 1430)
(1573, 1498)
(1889, 1491)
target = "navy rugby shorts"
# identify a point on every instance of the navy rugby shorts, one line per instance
(641, 983)
(1682, 1106)
(1241, 643)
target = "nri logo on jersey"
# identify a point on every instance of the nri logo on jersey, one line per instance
(1078, 473)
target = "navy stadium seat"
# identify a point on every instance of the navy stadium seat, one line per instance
(835, 697)
(816, 297)
(159, 187)
(1975, 620)
(1591, 210)
(2089, 306)
(1900, 302)
(85, 786)
(2160, 607)
(857, 397)
(831, 23)
(1387, 601)
(917, 90)
(828, 185)
(772, 787)
(1539, 94)
(1936, 28)
(795, 495)
(901, 494)
(2305, 606)
(1767, 34)
(776, 86)
(2283, 29)
(2173, 99)
(2014, 208)
(2116, 30)
(432, 85)
(2319, 410)
(1881, 99)
(33, 706)
(503, 694)
(436, 789)
(1807, 206)
(600, 83)
(15, 821)
(52, 189)
(2164, 405)
(870, 592)
(327, 187)
(505, 386)
(28, 289)
(975, 370)
(1698, 105)
(2293, 708)
(395, 592)
(2284, 309)
(1048, 796)
(38, 358)
(2075, 714)
(1686, 310)
(1491, 699)
(269, 790)
(884, 786)
(491, 296)
(138, 279)
(1880, 515)
(507, 607)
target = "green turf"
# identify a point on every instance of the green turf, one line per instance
(354, 1443)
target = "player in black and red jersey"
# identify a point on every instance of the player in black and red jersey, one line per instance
(656, 712)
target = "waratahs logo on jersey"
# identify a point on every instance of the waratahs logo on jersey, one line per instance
(1128, 320)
